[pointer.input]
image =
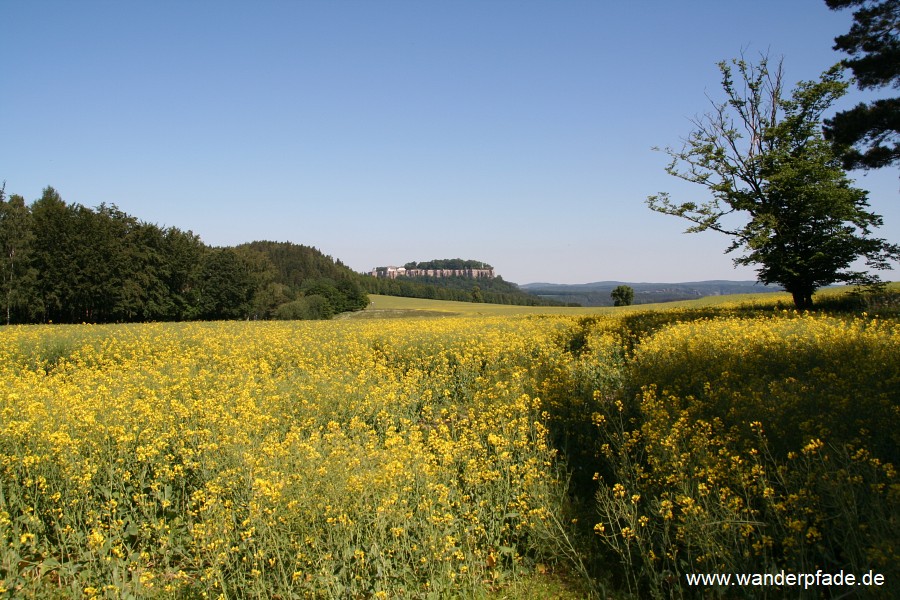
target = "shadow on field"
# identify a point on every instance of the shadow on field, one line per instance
(741, 438)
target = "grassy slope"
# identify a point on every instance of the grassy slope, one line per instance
(398, 307)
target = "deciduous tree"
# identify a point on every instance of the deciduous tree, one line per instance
(623, 295)
(763, 158)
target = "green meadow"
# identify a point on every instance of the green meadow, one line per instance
(393, 307)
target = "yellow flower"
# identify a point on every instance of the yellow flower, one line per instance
(813, 446)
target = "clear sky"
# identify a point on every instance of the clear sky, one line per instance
(381, 132)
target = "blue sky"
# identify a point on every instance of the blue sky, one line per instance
(381, 132)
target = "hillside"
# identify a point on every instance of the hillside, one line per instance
(450, 279)
(598, 293)
(297, 281)
(460, 289)
(67, 263)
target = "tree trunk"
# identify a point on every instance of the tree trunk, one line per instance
(802, 299)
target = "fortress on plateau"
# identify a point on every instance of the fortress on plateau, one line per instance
(437, 268)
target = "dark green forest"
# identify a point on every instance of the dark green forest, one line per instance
(65, 263)
(492, 290)
(448, 263)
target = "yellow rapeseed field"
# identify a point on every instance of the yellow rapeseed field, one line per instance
(759, 444)
(319, 459)
(435, 458)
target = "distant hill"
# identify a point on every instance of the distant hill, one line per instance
(293, 281)
(295, 263)
(450, 279)
(448, 263)
(598, 293)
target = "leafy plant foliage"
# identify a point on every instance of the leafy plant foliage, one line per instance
(762, 156)
(65, 263)
(461, 289)
(623, 295)
(868, 135)
(448, 263)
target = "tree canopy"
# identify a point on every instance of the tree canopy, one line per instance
(66, 263)
(622, 295)
(868, 135)
(16, 237)
(460, 289)
(448, 263)
(764, 160)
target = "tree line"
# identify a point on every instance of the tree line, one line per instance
(460, 289)
(448, 263)
(66, 263)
